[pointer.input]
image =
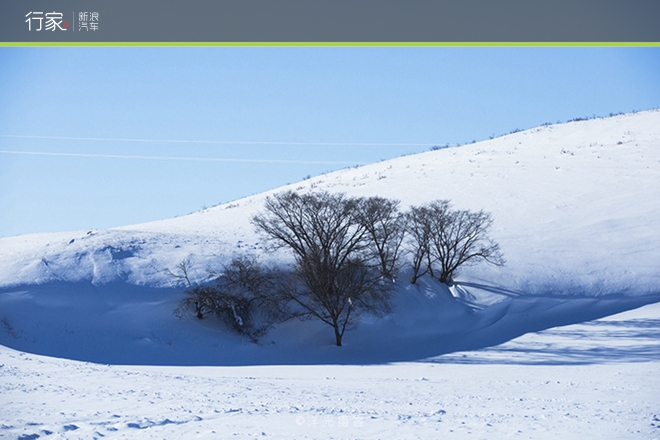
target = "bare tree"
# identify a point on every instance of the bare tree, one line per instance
(246, 297)
(182, 270)
(449, 239)
(384, 225)
(243, 296)
(460, 239)
(331, 279)
(247, 273)
(419, 228)
(201, 298)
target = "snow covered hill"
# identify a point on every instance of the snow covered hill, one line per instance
(576, 214)
(575, 207)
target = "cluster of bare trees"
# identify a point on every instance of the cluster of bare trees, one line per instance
(347, 252)
(440, 240)
(344, 254)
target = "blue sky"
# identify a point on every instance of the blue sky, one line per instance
(92, 138)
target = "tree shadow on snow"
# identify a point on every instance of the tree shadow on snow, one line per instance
(135, 325)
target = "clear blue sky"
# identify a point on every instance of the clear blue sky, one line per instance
(265, 116)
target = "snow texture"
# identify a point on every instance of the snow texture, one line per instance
(562, 383)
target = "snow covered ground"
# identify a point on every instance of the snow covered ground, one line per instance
(563, 341)
(599, 379)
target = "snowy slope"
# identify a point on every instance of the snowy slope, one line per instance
(575, 209)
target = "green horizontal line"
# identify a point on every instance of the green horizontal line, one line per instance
(340, 43)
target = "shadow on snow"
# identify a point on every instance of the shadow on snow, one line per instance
(119, 323)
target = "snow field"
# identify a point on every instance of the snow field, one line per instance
(71, 400)
(528, 388)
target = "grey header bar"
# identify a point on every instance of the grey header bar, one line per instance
(323, 21)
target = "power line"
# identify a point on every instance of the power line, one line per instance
(183, 141)
(182, 158)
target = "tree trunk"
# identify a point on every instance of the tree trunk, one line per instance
(446, 278)
(338, 335)
(198, 309)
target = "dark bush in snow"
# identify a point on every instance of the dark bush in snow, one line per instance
(246, 297)
(201, 299)
(243, 296)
